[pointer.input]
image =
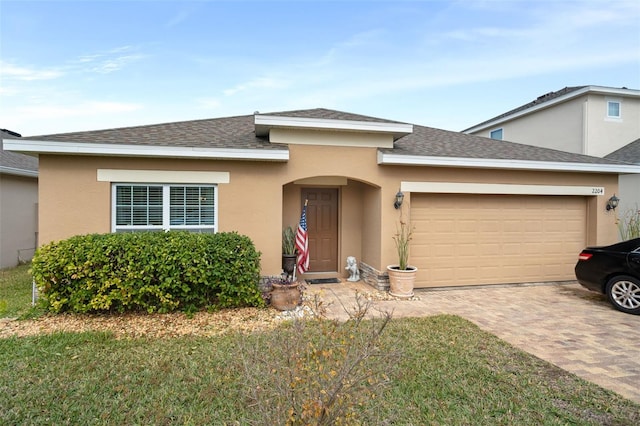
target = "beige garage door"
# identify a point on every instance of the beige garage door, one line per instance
(495, 239)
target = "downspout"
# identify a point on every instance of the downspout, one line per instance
(585, 127)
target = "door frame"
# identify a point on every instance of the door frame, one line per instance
(336, 272)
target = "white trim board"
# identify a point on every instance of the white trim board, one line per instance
(161, 176)
(80, 148)
(484, 163)
(501, 189)
(18, 172)
(263, 124)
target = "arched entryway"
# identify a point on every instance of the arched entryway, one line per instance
(342, 219)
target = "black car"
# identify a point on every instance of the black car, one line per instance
(615, 271)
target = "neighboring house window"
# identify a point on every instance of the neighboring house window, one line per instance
(613, 109)
(140, 207)
(496, 134)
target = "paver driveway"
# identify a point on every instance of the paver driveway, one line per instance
(563, 323)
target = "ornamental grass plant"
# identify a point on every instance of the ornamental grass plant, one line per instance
(629, 224)
(402, 238)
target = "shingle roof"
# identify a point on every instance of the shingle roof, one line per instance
(330, 114)
(238, 132)
(427, 141)
(228, 132)
(628, 154)
(13, 160)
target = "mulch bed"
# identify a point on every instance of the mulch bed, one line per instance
(134, 325)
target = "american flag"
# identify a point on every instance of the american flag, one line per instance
(302, 242)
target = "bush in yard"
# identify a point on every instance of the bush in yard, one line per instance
(152, 271)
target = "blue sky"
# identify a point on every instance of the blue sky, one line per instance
(88, 65)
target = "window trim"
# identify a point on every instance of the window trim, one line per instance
(609, 101)
(499, 129)
(166, 208)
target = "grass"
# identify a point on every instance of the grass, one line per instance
(432, 370)
(15, 291)
(451, 373)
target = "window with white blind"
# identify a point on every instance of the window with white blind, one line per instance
(142, 207)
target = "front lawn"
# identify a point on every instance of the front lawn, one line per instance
(434, 370)
(447, 371)
(15, 291)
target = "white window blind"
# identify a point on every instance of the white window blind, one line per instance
(139, 207)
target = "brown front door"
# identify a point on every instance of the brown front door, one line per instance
(322, 228)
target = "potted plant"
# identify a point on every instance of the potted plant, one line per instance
(285, 292)
(288, 250)
(402, 276)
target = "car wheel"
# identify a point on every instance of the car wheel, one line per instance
(624, 293)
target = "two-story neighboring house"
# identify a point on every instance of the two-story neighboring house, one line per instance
(18, 205)
(590, 120)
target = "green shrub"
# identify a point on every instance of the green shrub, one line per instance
(152, 271)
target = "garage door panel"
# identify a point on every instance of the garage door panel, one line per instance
(493, 239)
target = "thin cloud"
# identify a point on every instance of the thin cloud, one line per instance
(209, 103)
(114, 64)
(258, 83)
(24, 73)
(106, 62)
(178, 18)
(83, 109)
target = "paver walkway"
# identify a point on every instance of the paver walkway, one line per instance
(562, 323)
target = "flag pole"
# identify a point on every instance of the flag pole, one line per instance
(302, 242)
(295, 270)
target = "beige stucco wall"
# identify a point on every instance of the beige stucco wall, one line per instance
(629, 193)
(579, 125)
(559, 127)
(262, 197)
(18, 219)
(605, 135)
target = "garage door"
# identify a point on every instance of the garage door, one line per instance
(495, 239)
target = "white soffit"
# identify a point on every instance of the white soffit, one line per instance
(484, 163)
(78, 148)
(264, 123)
(161, 176)
(501, 189)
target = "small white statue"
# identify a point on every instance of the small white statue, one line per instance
(352, 267)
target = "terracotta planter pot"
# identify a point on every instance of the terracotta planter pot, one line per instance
(401, 281)
(285, 297)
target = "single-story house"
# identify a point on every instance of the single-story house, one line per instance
(484, 211)
(18, 205)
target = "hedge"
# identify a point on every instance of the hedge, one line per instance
(151, 271)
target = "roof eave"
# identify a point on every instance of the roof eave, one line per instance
(75, 148)
(484, 163)
(547, 104)
(264, 123)
(18, 172)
